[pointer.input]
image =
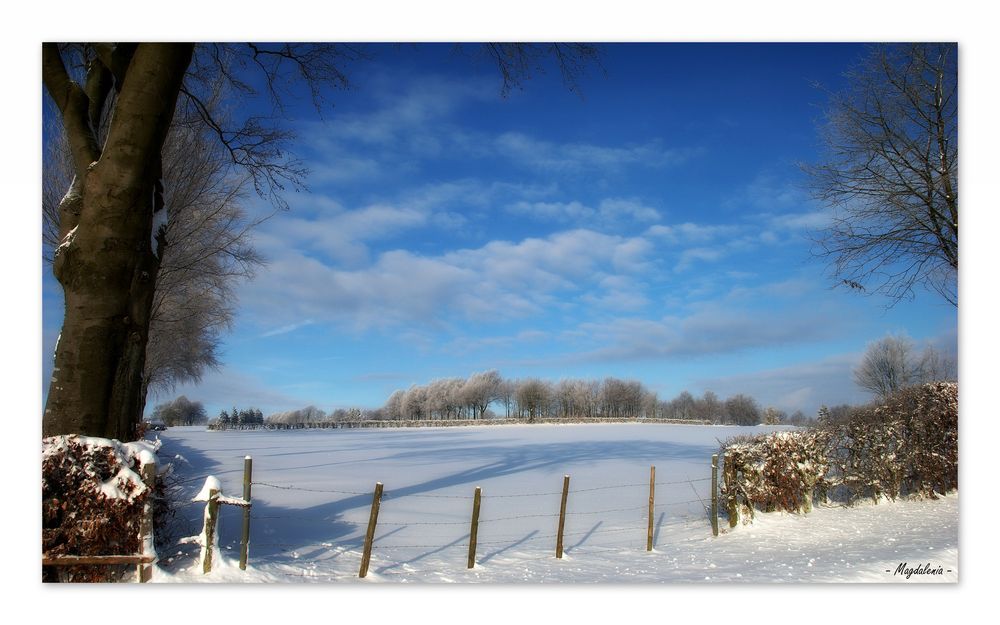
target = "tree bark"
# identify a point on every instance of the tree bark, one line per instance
(106, 264)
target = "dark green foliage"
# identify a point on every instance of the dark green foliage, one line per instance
(248, 418)
(181, 411)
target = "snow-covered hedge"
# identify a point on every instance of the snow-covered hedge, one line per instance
(92, 503)
(777, 471)
(907, 445)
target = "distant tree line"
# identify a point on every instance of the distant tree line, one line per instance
(889, 365)
(533, 398)
(487, 395)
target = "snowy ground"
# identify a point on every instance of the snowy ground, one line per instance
(312, 496)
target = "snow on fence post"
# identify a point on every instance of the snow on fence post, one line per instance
(245, 539)
(370, 534)
(474, 531)
(209, 493)
(649, 529)
(148, 472)
(715, 495)
(562, 517)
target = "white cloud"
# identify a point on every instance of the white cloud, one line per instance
(578, 157)
(714, 328)
(695, 254)
(554, 211)
(771, 192)
(691, 233)
(500, 280)
(609, 213)
(285, 329)
(342, 236)
(614, 209)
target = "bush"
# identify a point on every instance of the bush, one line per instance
(907, 445)
(778, 471)
(92, 504)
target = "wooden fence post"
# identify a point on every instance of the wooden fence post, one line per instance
(652, 486)
(715, 495)
(245, 539)
(562, 517)
(145, 571)
(211, 519)
(474, 532)
(729, 479)
(370, 534)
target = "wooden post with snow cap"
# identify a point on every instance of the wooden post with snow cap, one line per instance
(210, 494)
(562, 517)
(245, 539)
(370, 534)
(715, 495)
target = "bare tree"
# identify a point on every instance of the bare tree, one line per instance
(743, 410)
(681, 407)
(533, 398)
(887, 366)
(890, 175)
(935, 366)
(709, 407)
(480, 390)
(309, 414)
(774, 416)
(517, 62)
(892, 363)
(180, 411)
(393, 408)
(414, 402)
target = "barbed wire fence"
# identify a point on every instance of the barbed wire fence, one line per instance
(617, 528)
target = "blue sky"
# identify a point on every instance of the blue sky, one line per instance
(656, 228)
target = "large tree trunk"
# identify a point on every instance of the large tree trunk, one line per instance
(106, 264)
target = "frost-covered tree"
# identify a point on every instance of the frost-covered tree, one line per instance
(394, 405)
(309, 414)
(533, 397)
(797, 418)
(414, 402)
(774, 416)
(892, 363)
(480, 390)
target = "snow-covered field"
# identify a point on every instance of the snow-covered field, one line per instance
(312, 496)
